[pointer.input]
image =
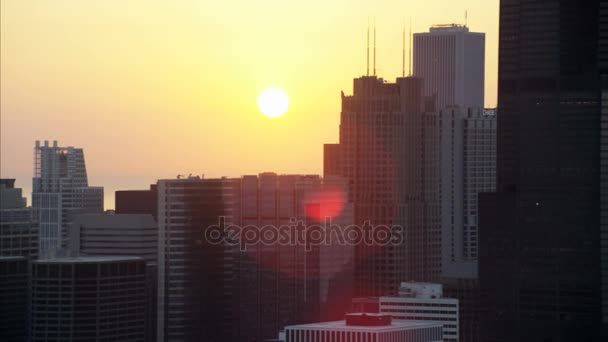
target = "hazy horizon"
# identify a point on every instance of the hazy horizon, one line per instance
(169, 88)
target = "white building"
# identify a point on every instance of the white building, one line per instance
(467, 141)
(424, 302)
(364, 327)
(451, 60)
(60, 191)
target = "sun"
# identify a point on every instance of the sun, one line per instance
(273, 102)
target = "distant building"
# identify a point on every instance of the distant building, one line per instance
(121, 235)
(18, 224)
(60, 192)
(359, 327)
(451, 61)
(467, 140)
(13, 298)
(281, 284)
(388, 154)
(88, 299)
(194, 295)
(137, 201)
(424, 302)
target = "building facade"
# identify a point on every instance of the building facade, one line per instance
(451, 61)
(18, 223)
(60, 192)
(539, 261)
(13, 298)
(364, 327)
(121, 235)
(88, 299)
(424, 302)
(388, 153)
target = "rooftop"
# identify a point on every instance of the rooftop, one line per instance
(87, 259)
(396, 325)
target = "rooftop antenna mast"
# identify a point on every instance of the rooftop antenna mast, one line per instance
(368, 46)
(411, 44)
(466, 15)
(374, 46)
(403, 53)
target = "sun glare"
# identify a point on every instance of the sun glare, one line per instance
(273, 102)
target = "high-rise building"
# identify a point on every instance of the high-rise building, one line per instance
(539, 256)
(137, 201)
(18, 224)
(451, 61)
(121, 235)
(467, 140)
(13, 298)
(364, 327)
(281, 284)
(388, 152)
(194, 295)
(60, 192)
(88, 299)
(424, 302)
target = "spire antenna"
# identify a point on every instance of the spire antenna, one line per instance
(411, 44)
(374, 46)
(466, 15)
(403, 53)
(367, 46)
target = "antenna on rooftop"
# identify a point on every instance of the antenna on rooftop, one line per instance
(403, 53)
(466, 15)
(367, 46)
(411, 44)
(374, 46)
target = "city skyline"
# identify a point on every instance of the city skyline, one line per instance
(157, 101)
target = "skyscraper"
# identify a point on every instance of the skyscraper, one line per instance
(193, 292)
(121, 235)
(450, 60)
(60, 191)
(467, 139)
(88, 299)
(388, 152)
(281, 284)
(539, 256)
(14, 277)
(18, 224)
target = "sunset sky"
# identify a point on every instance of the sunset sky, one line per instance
(152, 89)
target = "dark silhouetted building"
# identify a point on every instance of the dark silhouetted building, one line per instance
(388, 152)
(13, 298)
(136, 201)
(121, 235)
(18, 224)
(539, 263)
(88, 299)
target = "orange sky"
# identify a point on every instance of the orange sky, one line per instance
(152, 89)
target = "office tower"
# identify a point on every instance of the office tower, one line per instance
(539, 261)
(451, 60)
(121, 235)
(467, 141)
(281, 284)
(137, 201)
(193, 297)
(424, 302)
(60, 191)
(388, 152)
(364, 327)
(88, 299)
(466, 290)
(331, 160)
(13, 298)
(18, 224)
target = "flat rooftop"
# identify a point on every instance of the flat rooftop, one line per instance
(87, 259)
(396, 325)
